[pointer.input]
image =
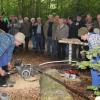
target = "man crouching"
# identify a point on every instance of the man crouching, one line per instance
(7, 44)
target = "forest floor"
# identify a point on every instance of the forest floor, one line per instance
(26, 90)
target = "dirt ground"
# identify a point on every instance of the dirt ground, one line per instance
(25, 90)
(30, 89)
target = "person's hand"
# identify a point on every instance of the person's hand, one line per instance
(2, 72)
(9, 66)
(77, 24)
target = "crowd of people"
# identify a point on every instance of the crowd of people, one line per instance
(46, 34)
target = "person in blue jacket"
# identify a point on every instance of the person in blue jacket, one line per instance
(93, 42)
(7, 44)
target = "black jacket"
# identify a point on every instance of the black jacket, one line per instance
(73, 31)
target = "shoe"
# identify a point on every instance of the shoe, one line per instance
(4, 85)
(8, 84)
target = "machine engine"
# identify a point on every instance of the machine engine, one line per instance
(25, 70)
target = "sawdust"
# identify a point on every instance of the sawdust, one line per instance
(23, 90)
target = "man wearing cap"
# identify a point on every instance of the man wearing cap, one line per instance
(93, 43)
(7, 44)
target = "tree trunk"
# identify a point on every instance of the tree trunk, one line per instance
(1, 6)
(38, 7)
(22, 7)
(49, 2)
(30, 8)
(57, 5)
(19, 7)
(7, 9)
(51, 90)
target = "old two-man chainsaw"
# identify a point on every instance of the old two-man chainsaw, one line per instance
(28, 70)
(24, 70)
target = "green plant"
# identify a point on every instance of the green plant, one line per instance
(95, 89)
(89, 64)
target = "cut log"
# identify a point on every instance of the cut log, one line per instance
(51, 90)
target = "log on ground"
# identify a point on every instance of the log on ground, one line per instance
(51, 90)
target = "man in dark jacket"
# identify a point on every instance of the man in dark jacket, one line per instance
(73, 33)
(39, 36)
(79, 22)
(73, 30)
(27, 32)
